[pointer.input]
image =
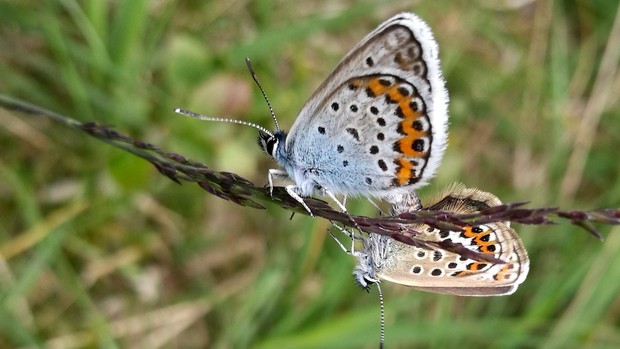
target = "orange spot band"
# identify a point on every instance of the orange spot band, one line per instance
(478, 239)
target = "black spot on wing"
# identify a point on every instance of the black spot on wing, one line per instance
(353, 132)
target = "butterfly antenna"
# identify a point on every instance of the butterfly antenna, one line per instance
(273, 115)
(191, 114)
(382, 309)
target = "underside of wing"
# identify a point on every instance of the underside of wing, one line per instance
(386, 100)
(437, 270)
(425, 267)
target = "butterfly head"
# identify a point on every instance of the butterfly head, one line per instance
(364, 275)
(270, 143)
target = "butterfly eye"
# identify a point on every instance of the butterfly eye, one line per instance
(369, 282)
(363, 278)
(268, 143)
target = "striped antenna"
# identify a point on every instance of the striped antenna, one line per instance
(191, 114)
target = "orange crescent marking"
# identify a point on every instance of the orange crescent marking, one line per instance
(410, 117)
(395, 94)
(471, 268)
(405, 171)
(376, 87)
(405, 108)
(406, 147)
(502, 271)
(357, 83)
(484, 247)
(468, 232)
(476, 266)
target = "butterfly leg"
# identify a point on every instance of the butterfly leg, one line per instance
(338, 242)
(344, 210)
(292, 191)
(351, 236)
(374, 204)
(275, 173)
(333, 197)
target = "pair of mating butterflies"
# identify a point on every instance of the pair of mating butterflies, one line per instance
(377, 127)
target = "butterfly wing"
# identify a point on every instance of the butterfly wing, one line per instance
(379, 122)
(444, 271)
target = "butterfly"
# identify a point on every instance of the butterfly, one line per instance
(427, 267)
(433, 269)
(376, 127)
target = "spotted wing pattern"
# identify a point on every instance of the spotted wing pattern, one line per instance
(378, 124)
(441, 271)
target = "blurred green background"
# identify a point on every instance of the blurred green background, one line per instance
(97, 250)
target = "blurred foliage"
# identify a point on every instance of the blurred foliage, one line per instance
(99, 250)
